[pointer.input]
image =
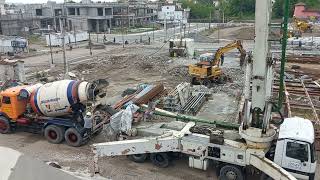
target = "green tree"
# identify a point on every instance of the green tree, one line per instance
(278, 8)
(240, 8)
(200, 9)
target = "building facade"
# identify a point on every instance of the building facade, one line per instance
(302, 12)
(173, 13)
(85, 16)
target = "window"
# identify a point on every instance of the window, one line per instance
(313, 153)
(108, 11)
(100, 11)
(72, 11)
(297, 151)
(38, 12)
(6, 100)
(78, 11)
(58, 12)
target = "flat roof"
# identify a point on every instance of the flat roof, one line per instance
(297, 128)
(13, 91)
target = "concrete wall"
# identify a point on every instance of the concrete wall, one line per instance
(83, 11)
(92, 12)
(6, 72)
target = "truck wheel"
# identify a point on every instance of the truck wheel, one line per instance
(73, 137)
(4, 125)
(138, 158)
(160, 159)
(207, 83)
(194, 81)
(54, 134)
(229, 172)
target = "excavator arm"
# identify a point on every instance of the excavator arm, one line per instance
(235, 44)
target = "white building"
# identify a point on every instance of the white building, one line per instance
(13, 44)
(2, 9)
(173, 14)
(215, 3)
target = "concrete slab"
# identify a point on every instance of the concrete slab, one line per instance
(16, 166)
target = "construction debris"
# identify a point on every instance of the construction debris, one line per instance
(186, 99)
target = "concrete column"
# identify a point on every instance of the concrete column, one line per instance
(97, 26)
(19, 70)
(105, 25)
(133, 21)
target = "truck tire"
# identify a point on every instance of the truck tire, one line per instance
(138, 158)
(160, 159)
(54, 134)
(207, 83)
(73, 137)
(194, 81)
(4, 125)
(230, 172)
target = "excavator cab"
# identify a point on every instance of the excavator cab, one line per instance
(12, 105)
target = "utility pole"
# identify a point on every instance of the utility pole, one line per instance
(165, 26)
(51, 55)
(218, 33)
(122, 33)
(90, 44)
(210, 19)
(97, 38)
(75, 36)
(180, 23)
(174, 30)
(65, 63)
(153, 31)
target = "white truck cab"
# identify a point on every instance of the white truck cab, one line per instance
(295, 149)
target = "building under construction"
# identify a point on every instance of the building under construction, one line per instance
(86, 15)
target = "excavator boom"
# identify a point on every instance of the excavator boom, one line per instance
(235, 44)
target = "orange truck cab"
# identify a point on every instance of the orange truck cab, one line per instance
(12, 106)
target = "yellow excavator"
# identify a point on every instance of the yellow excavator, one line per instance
(302, 25)
(208, 71)
(299, 26)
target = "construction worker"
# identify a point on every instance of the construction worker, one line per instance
(222, 59)
(77, 110)
(88, 122)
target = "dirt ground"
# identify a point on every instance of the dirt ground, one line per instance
(122, 68)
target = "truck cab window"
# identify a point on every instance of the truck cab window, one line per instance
(313, 153)
(297, 150)
(6, 100)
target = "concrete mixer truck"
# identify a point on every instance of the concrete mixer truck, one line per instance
(48, 109)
